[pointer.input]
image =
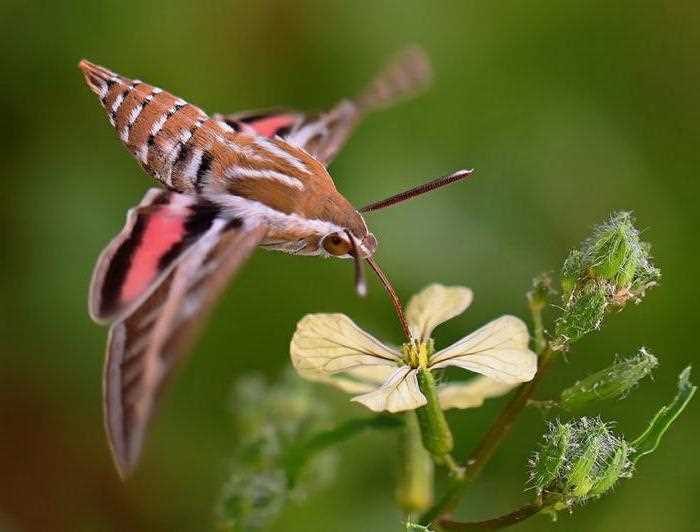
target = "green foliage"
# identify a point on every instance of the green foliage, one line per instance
(270, 419)
(649, 440)
(611, 267)
(610, 383)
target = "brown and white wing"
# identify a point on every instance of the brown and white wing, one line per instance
(324, 134)
(145, 346)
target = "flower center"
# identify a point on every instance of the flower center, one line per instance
(417, 353)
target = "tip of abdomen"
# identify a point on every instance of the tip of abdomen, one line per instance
(98, 78)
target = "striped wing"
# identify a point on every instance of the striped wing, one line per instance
(145, 346)
(156, 235)
(324, 134)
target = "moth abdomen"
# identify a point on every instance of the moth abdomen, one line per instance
(154, 125)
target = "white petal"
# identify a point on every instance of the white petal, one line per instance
(400, 392)
(434, 305)
(497, 350)
(471, 394)
(324, 344)
(358, 380)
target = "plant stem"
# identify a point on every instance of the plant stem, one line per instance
(414, 489)
(490, 442)
(538, 326)
(503, 521)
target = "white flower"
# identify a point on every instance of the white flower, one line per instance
(330, 348)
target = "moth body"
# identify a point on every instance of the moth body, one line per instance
(243, 172)
(232, 183)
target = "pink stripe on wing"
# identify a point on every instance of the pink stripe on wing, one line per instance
(270, 125)
(164, 228)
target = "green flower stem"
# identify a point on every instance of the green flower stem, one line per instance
(436, 434)
(538, 325)
(414, 490)
(488, 445)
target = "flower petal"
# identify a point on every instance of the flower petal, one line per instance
(434, 305)
(472, 393)
(400, 392)
(355, 381)
(497, 350)
(324, 344)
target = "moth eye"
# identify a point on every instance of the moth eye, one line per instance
(336, 245)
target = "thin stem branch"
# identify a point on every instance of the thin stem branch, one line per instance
(496, 523)
(538, 325)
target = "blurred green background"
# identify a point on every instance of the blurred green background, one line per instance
(568, 110)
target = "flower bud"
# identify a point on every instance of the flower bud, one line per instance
(611, 267)
(617, 467)
(581, 316)
(610, 383)
(614, 250)
(546, 464)
(579, 460)
(581, 475)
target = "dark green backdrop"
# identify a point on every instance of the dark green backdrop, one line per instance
(567, 112)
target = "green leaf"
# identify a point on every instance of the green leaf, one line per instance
(649, 440)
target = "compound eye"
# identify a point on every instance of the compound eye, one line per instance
(336, 245)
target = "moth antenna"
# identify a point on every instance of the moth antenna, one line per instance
(360, 281)
(417, 191)
(393, 296)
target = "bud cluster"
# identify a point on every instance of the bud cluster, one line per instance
(578, 461)
(610, 268)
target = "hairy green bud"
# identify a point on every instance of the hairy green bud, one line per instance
(610, 383)
(617, 467)
(611, 267)
(585, 314)
(614, 250)
(579, 460)
(548, 462)
(581, 474)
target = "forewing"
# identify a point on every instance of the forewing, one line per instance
(144, 347)
(157, 234)
(323, 135)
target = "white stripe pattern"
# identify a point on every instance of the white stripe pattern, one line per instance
(190, 171)
(280, 153)
(235, 172)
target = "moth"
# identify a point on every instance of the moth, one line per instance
(231, 183)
